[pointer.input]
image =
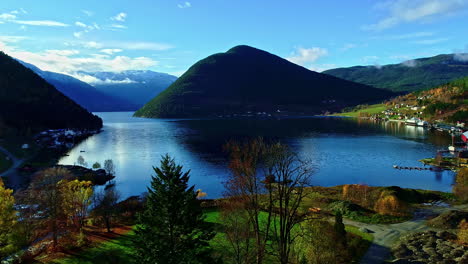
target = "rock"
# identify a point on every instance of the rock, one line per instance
(365, 230)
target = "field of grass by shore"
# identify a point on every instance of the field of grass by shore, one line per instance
(369, 110)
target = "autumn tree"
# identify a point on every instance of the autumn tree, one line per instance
(460, 188)
(246, 182)
(172, 228)
(105, 205)
(76, 199)
(48, 198)
(8, 221)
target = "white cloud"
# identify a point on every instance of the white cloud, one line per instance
(407, 11)
(111, 51)
(46, 23)
(429, 41)
(78, 34)
(87, 12)
(303, 56)
(371, 59)
(80, 24)
(12, 39)
(461, 55)
(71, 61)
(120, 17)
(410, 63)
(140, 45)
(7, 16)
(117, 26)
(93, 80)
(412, 35)
(92, 45)
(184, 5)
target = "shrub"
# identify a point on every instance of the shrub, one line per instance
(463, 232)
(460, 188)
(389, 204)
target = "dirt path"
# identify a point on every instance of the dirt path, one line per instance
(11, 173)
(386, 235)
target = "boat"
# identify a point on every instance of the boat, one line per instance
(423, 123)
(412, 121)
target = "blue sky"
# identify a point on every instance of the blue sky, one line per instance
(170, 35)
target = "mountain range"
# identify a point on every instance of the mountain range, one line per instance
(135, 86)
(245, 79)
(29, 103)
(411, 75)
(84, 94)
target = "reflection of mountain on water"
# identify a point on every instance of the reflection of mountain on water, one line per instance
(211, 135)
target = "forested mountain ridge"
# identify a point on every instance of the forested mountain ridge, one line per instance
(408, 76)
(246, 79)
(28, 102)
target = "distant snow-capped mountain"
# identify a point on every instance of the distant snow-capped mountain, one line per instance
(83, 93)
(136, 86)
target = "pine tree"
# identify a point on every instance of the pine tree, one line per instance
(340, 227)
(172, 228)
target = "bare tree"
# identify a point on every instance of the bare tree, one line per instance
(246, 184)
(288, 177)
(109, 167)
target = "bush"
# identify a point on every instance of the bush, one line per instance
(463, 232)
(389, 204)
(460, 188)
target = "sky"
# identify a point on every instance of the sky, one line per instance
(169, 35)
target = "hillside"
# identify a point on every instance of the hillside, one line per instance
(84, 94)
(248, 79)
(29, 103)
(138, 87)
(447, 103)
(409, 76)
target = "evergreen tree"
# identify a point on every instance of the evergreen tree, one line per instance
(340, 227)
(172, 228)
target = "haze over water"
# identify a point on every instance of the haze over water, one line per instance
(344, 151)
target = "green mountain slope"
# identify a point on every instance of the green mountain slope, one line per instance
(407, 76)
(248, 79)
(28, 102)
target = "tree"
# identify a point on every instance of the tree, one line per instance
(81, 161)
(246, 183)
(288, 177)
(96, 165)
(48, 198)
(105, 204)
(109, 166)
(172, 228)
(269, 179)
(340, 227)
(8, 221)
(76, 199)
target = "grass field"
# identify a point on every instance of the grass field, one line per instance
(371, 109)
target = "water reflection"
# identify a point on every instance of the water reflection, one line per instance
(344, 150)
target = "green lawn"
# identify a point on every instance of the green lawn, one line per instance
(116, 251)
(371, 109)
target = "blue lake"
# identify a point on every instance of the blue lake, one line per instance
(343, 150)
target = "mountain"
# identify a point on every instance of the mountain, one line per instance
(410, 75)
(29, 103)
(138, 87)
(83, 93)
(248, 79)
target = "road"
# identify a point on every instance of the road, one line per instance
(385, 236)
(12, 173)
